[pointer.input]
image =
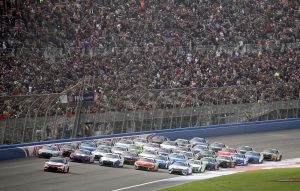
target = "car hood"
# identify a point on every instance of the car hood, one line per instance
(109, 159)
(54, 163)
(144, 163)
(178, 167)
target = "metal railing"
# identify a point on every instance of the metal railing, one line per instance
(70, 114)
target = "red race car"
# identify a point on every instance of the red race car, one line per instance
(227, 152)
(146, 164)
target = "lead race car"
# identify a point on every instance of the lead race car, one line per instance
(57, 164)
(272, 154)
(110, 159)
(183, 168)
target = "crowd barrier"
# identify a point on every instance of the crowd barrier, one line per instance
(30, 149)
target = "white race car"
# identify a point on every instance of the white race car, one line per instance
(57, 164)
(169, 145)
(124, 143)
(183, 168)
(49, 151)
(151, 146)
(148, 154)
(118, 150)
(99, 152)
(197, 165)
(111, 159)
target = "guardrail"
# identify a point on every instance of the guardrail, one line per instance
(30, 149)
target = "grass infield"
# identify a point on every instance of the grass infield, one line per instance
(258, 180)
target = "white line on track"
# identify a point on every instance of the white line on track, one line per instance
(134, 186)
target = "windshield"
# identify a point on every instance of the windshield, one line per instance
(246, 148)
(152, 145)
(180, 164)
(196, 139)
(161, 157)
(88, 145)
(129, 154)
(83, 152)
(146, 160)
(141, 141)
(119, 149)
(239, 155)
(105, 143)
(58, 160)
(172, 143)
(224, 157)
(194, 162)
(134, 147)
(253, 153)
(207, 159)
(112, 156)
(270, 151)
(128, 142)
(104, 150)
(177, 156)
(229, 150)
(180, 141)
(149, 152)
(218, 145)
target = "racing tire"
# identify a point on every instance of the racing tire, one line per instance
(136, 167)
(280, 158)
(100, 163)
(185, 173)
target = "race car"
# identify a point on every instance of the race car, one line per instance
(124, 143)
(169, 145)
(240, 159)
(272, 154)
(225, 161)
(158, 139)
(163, 161)
(140, 141)
(67, 149)
(183, 142)
(205, 153)
(189, 155)
(243, 149)
(106, 144)
(177, 157)
(197, 148)
(227, 151)
(149, 164)
(89, 146)
(217, 146)
(197, 165)
(118, 150)
(151, 146)
(181, 149)
(183, 168)
(198, 141)
(57, 164)
(99, 152)
(49, 151)
(135, 149)
(130, 158)
(210, 163)
(110, 159)
(148, 154)
(82, 156)
(254, 157)
(165, 152)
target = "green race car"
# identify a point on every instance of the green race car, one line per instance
(135, 149)
(197, 165)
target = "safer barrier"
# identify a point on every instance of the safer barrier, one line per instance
(30, 149)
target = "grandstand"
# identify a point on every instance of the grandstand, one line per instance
(81, 68)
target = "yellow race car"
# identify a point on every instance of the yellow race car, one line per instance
(272, 154)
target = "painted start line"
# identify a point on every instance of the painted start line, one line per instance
(288, 163)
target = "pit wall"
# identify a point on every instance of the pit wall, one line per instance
(8, 152)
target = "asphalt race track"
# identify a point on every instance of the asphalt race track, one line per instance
(28, 174)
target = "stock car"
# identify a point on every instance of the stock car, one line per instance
(197, 148)
(205, 153)
(197, 166)
(181, 149)
(149, 164)
(148, 154)
(124, 143)
(243, 149)
(210, 163)
(225, 161)
(89, 146)
(254, 157)
(67, 149)
(158, 139)
(135, 149)
(130, 158)
(177, 157)
(140, 141)
(215, 146)
(118, 150)
(151, 146)
(183, 142)
(163, 161)
(106, 144)
(169, 145)
(227, 151)
(57, 164)
(110, 159)
(165, 152)
(183, 168)
(189, 155)
(272, 154)
(100, 151)
(82, 156)
(49, 151)
(240, 159)
(198, 141)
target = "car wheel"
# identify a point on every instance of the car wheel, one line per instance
(280, 158)
(185, 172)
(136, 167)
(64, 170)
(100, 163)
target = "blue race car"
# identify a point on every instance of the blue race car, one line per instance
(163, 161)
(210, 162)
(177, 157)
(82, 156)
(89, 146)
(240, 159)
(254, 157)
(198, 141)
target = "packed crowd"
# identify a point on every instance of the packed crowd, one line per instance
(49, 46)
